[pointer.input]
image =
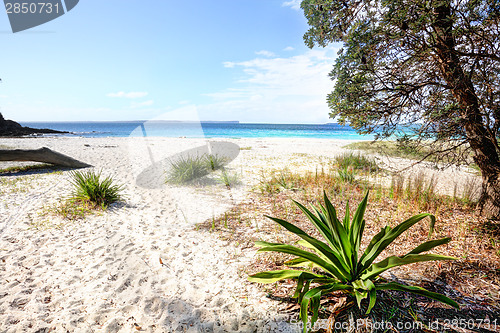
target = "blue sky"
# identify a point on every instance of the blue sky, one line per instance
(137, 60)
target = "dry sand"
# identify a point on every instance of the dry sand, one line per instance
(141, 265)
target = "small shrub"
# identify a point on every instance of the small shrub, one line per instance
(91, 187)
(341, 266)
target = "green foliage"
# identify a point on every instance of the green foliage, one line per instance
(186, 169)
(277, 181)
(91, 187)
(395, 149)
(24, 168)
(347, 175)
(387, 73)
(74, 209)
(421, 70)
(215, 162)
(338, 264)
(356, 161)
(229, 179)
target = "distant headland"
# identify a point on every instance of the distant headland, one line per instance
(9, 128)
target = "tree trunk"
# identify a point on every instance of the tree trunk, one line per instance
(490, 199)
(44, 155)
(479, 138)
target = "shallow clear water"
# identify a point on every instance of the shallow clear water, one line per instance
(204, 129)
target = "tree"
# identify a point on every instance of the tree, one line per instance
(422, 70)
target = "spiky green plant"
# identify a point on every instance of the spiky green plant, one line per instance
(90, 186)
(340, 263)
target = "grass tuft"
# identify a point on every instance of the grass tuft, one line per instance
(215, 162)
(32, 167)
(347, 175)
(72, 209)
(356, 161)
(229, 179)
(90, 187)
(186, 169)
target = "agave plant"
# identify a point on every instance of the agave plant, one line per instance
(337, 264)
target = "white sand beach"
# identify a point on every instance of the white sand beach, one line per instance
(141, 265)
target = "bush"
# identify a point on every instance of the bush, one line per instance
(341, 267)
(90, 187)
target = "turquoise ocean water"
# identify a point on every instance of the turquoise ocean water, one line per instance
(203, 129)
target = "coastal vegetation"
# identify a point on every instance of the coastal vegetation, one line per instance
(338, 257)
(90, 187)
(91, 193)
(423, 71)
(473, 279)
(26, 168)
(228, 178)
(186, 169)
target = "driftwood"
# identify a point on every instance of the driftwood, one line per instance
(44, 155)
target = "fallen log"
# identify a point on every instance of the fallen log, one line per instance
(44, 155)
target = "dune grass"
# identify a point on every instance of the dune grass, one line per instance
(392, 149)
(91, 187)
(229, 179)
(91, 193)
(356, 161)
(475, 241)
(186, 169)
(31, 167)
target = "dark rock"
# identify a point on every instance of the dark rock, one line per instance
(11, 128)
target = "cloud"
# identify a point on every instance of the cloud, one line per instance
(229, 64)
(288, 48)
(132, 94)
(294, 4)
(281, 89)
(265, 53)
(141, 104)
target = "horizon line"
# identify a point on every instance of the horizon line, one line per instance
(170, 121)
